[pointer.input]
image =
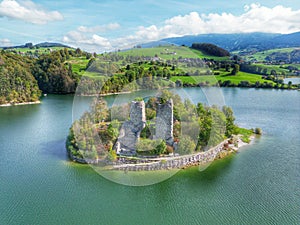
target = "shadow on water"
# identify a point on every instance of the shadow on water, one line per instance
(55, 149)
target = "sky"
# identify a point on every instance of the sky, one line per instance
(106, 25)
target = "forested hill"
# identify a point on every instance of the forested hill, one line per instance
(53, 74)
(17, 83)
(24, 77)
(210, 49)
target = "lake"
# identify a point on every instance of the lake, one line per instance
(294, 80)
(259, 185)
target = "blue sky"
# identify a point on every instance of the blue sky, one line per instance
(103, 25)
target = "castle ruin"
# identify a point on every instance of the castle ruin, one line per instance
(164, 122)
(131, 129)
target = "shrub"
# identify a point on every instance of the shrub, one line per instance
(186, 145)
(258, 131)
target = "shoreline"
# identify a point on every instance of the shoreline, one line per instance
(21, 103)
(220, 151)
(107, 94)
(184, 86)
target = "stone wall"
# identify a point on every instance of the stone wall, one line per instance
(164, 122)
(131, 130)
(175, 162)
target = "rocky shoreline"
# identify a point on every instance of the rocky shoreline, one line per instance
(220, 151)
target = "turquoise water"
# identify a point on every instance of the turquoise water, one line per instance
(259, 185)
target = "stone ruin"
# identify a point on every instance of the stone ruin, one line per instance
(164, 122)
(131, 129)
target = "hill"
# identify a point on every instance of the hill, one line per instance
(242, 41)
(17, 84)
(210, 49)
(40, 45)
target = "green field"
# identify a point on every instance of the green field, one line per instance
(165, 52)
(202, 55)
(213, 79)
(78, 64)
(260, 56)
(278, 68)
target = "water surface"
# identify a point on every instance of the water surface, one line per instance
(259, 185)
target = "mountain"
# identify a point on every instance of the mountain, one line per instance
(40, 45)
(51, 45)
(288, 40)
(242, 41)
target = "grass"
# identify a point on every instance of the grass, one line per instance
(213, 79)
(195, 79)
(242, 76)
(202, 55)
(165, 52)
(277, 68)
(260, 56)
(78, 64)
(246, 134)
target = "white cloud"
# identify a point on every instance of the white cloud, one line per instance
(256, 18)
(27, 11)
(95, 29)
(90, 43)
(5, 42)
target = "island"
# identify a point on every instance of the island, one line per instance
(157, 133)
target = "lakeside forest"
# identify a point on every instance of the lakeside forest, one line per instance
(26, 73)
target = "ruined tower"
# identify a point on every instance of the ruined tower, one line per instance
(164, 122)
(131, 129)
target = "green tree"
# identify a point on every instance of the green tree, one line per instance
(229, 120)
(99, 110)
(236, 69)
(112, 156)
(186, 145)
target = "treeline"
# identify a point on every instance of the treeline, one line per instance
(140, 75)
(210, 49)
(53, 74)
(24, 78)
(17, 84)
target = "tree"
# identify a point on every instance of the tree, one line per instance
(229, 120)
(186, 145)
(236, 69)
(178, 83)
(258, 131)
(111, 156)
(100, 110)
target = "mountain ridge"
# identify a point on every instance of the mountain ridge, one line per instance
(39, 45)
(241, 41)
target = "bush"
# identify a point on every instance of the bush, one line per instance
(258, 131)
(186, 145)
